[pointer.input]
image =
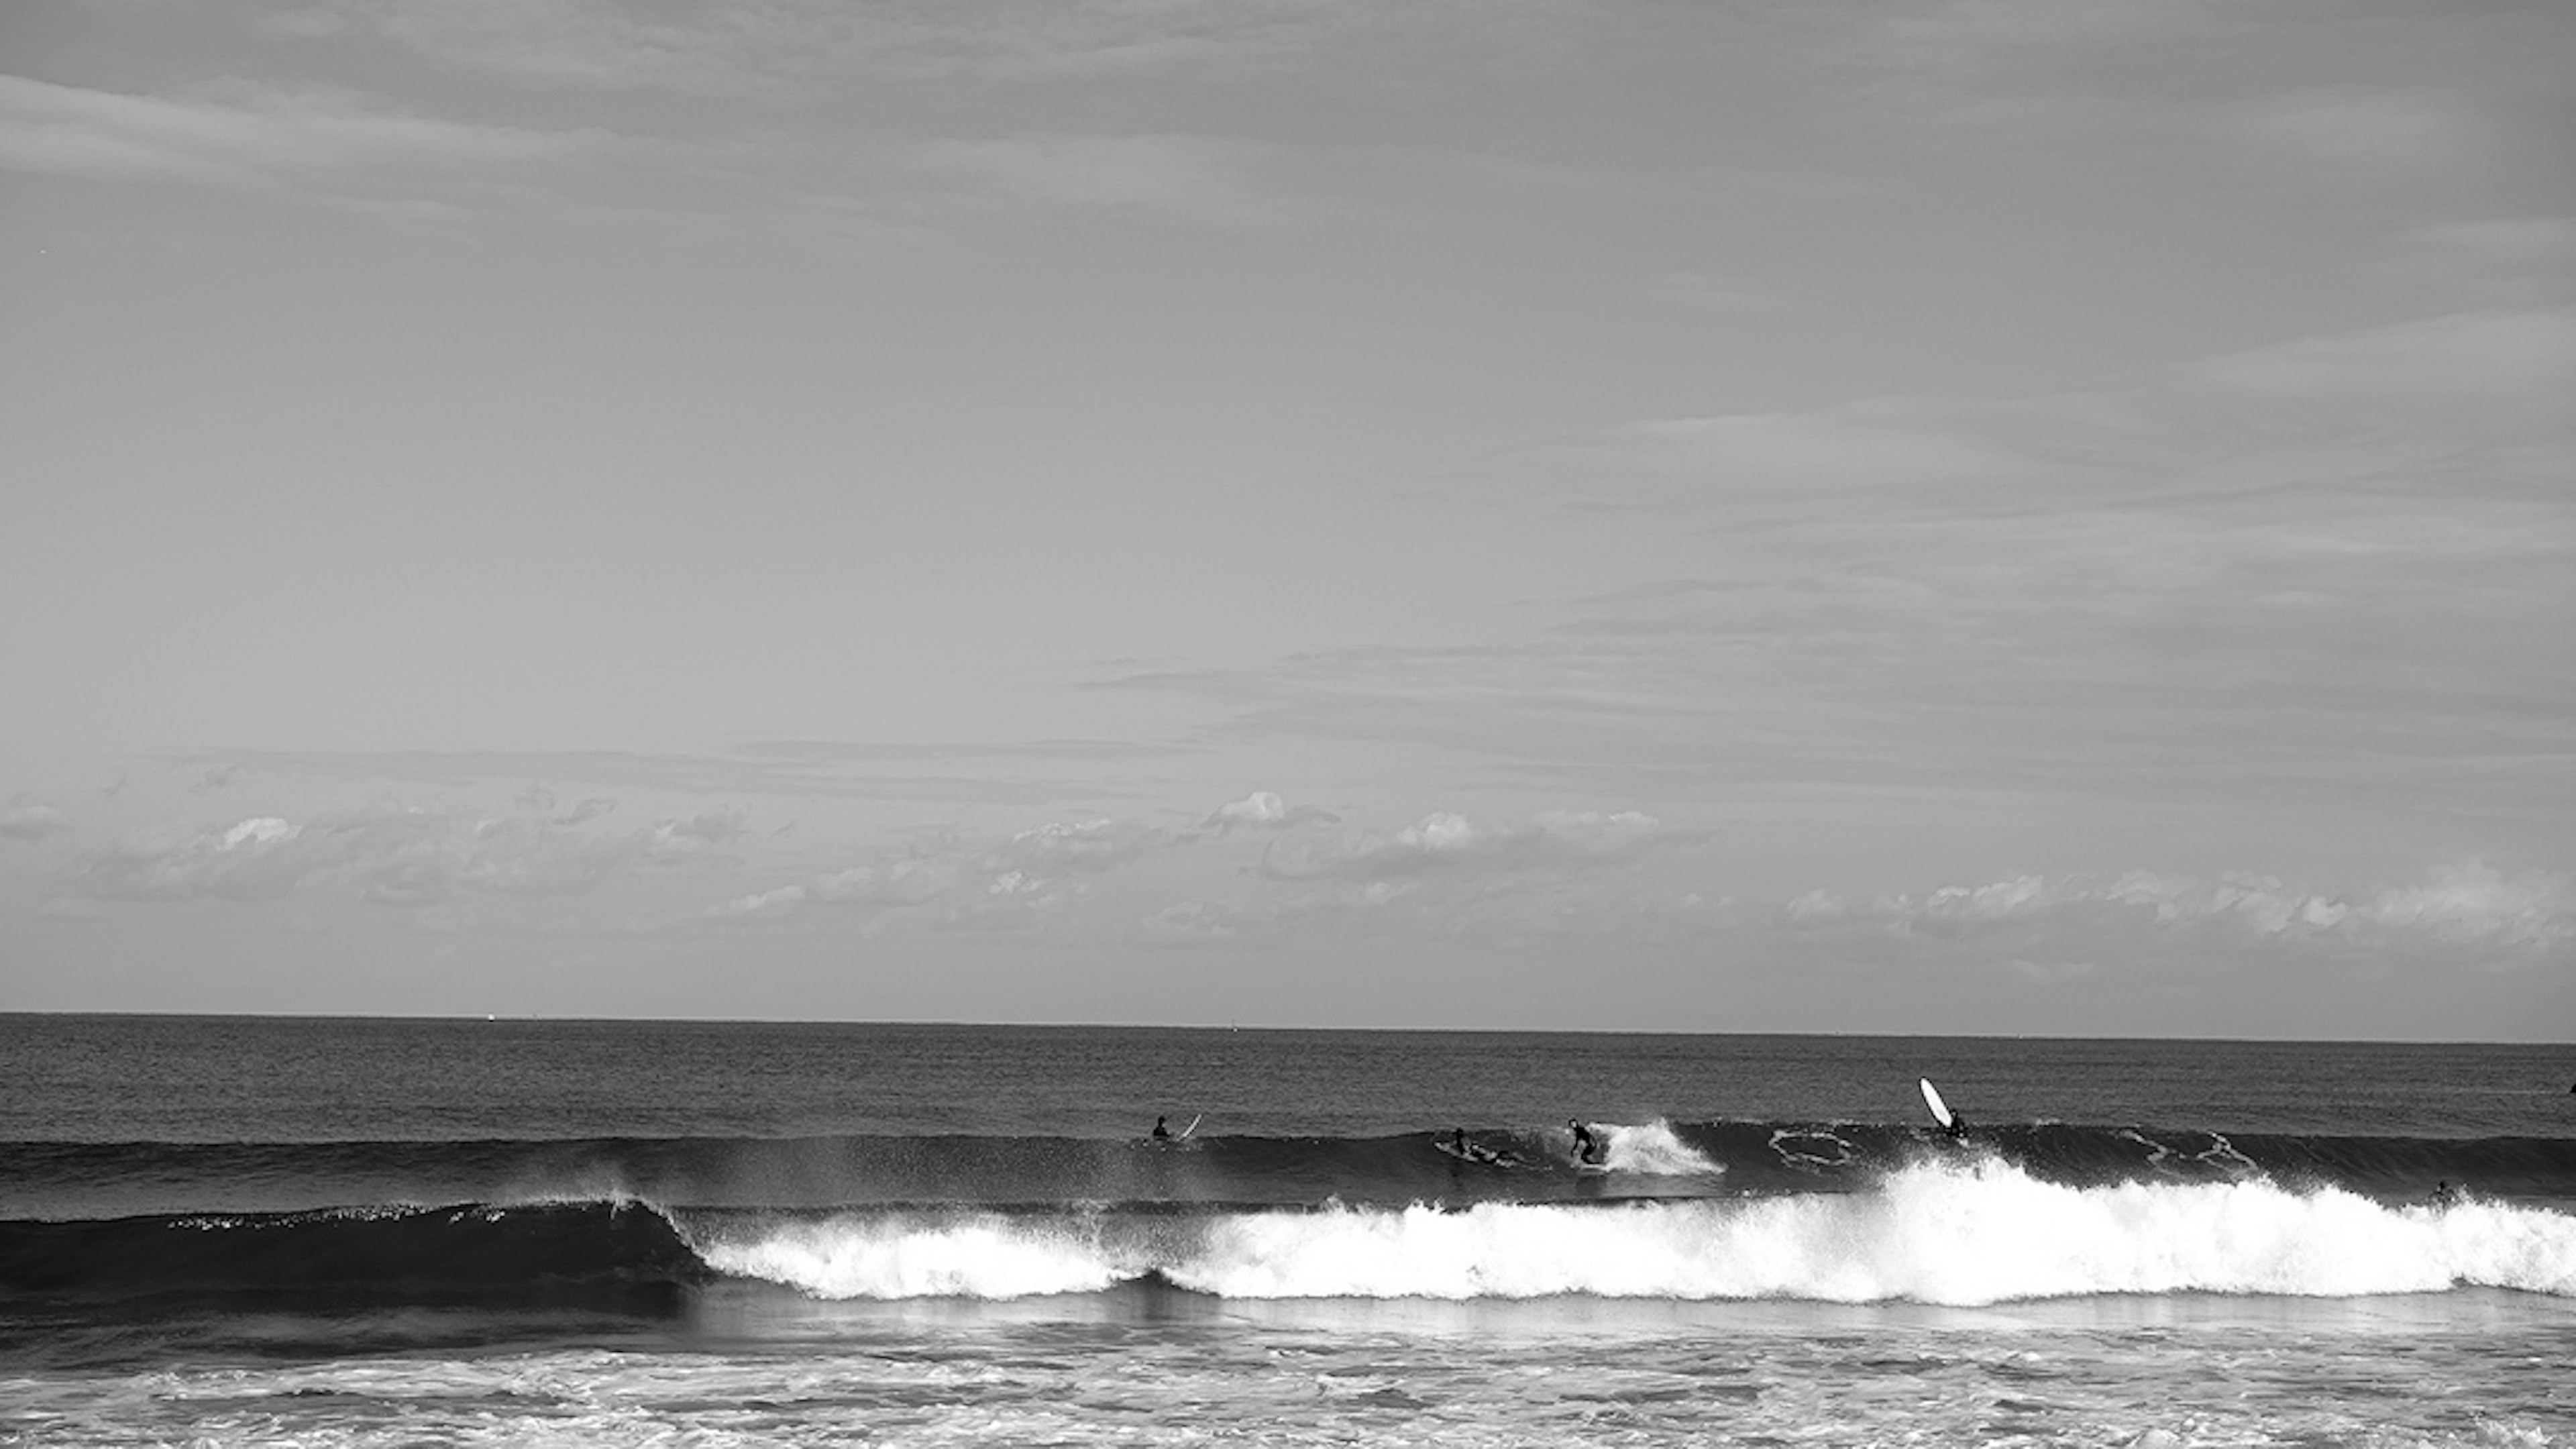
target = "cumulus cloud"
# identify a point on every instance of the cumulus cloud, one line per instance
(26, 820)
(585, 811)
(396, 857)
(2469, 904)
(2474, 902)
(759, 903)
(1265, 810)
(908, 881)
(958, 883)
(1444, 840)
(701, 835)
(1087, 845)
(259, 857)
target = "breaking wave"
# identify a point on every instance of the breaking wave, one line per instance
(1961, 1235)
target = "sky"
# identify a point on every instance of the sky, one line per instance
(1997, 517)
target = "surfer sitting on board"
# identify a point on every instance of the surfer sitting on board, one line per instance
(1587, 1148)
(1161, 1132)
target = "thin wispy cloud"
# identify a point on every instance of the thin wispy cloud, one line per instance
(248, 135)
(1183, 178)
(2381, 131)
(1007, 774)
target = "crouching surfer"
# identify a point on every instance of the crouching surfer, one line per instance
(1587, 1148)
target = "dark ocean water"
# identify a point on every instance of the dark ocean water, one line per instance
(376, 1231)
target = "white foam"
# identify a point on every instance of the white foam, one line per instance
(977, 1256)
(1651, 1149)
(1946, 1234)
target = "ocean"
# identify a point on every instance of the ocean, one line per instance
(225, 1230)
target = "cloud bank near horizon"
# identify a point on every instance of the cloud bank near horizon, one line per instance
(1299, 878)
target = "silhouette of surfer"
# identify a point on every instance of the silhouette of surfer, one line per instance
(1587, 1148)
(1958, 1128)
(1161, 1132)
(2444, 1195)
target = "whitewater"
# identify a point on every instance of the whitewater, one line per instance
(1953, 1236)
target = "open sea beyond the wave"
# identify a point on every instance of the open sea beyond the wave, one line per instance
(371, 1231)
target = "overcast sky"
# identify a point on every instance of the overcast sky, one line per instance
(2014, 516)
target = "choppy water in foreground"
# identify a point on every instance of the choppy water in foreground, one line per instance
(229, 1230)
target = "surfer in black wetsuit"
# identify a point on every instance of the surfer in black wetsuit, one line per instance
(1587, 1149)
(1958, 1128)
(1161, 1132)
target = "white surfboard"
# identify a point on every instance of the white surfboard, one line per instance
(1932, 1099)
(1194, 1125)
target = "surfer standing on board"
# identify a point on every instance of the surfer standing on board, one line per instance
(1586, 1147)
